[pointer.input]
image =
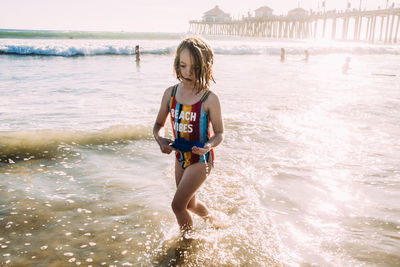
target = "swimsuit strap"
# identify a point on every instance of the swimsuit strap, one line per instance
(205, 95)
(173, 93)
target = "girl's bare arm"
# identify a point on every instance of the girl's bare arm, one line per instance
(160, 122)
(213, 107)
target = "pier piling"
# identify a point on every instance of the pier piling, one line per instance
(381, 25)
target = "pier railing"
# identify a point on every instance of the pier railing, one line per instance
(372, 26)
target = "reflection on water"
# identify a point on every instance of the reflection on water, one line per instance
(53, 225)
(138, 65)
(96, 209)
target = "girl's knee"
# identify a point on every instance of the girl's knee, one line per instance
(191, 205)
(178, 206)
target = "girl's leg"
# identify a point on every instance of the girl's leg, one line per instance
(195, 205)
(198, 207)
(188, 182)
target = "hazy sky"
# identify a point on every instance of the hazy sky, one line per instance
(144, 15)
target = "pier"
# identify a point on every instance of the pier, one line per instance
(371, 26)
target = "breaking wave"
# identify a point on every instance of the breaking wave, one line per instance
(23, 145)
(95, 48)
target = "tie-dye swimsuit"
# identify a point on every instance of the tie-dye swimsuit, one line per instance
(192, 123)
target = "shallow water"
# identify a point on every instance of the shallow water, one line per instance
(308, 173)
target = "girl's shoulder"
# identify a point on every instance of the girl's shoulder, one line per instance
(212, 97)
(167, 95)
(168, 91)
(211, 101)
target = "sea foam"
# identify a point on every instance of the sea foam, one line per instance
(77, 50)
(70, 48)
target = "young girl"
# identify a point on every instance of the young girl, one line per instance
(193, 108)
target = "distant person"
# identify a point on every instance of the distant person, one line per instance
(137, 53)
(282, 54)
(346, 65)
(306, 55)
(194, 111)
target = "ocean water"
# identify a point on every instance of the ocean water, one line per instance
(308, 173)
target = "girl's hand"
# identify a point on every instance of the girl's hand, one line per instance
(164, 145)
(201, 151)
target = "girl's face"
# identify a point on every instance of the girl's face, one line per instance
(186, 68)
